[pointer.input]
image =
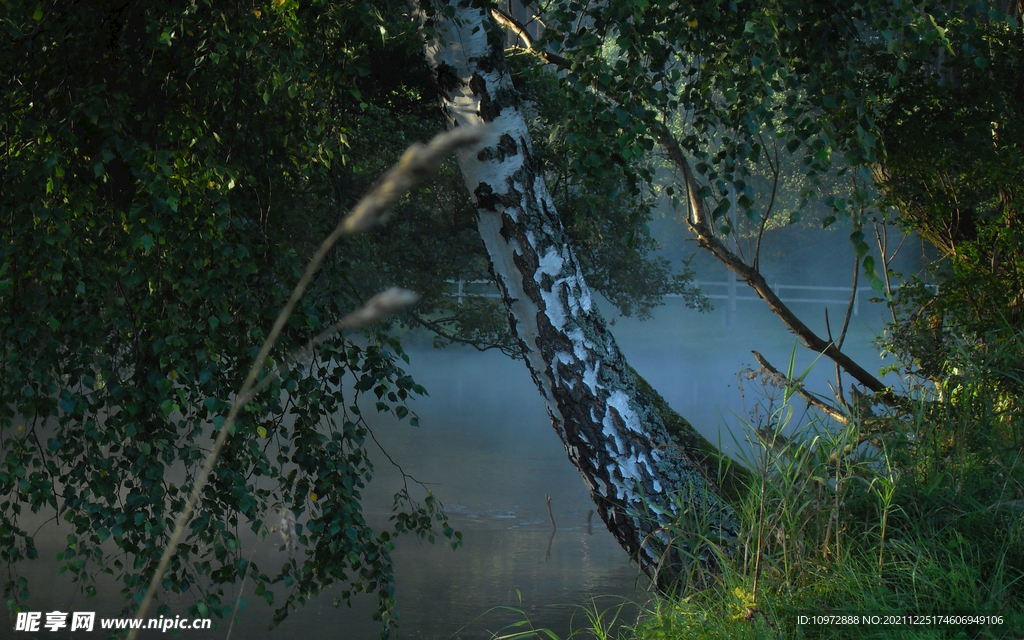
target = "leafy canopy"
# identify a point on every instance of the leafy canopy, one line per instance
(166, 168)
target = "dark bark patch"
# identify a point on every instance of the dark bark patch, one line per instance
(492, 103)
(577, 392)
(617, 421)
(507, 230)
(488, 110)
(506, 147)
(447, 80)
(505, 97)
(531, 162)
(486, 198)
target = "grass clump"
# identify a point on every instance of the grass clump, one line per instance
(910, 513)
(902, 522)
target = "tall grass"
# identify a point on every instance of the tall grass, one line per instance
(910, 512)
(917, 512)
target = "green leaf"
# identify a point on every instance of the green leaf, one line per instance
(167, 407)
(869, 266)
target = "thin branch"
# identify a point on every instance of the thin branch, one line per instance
(416, 164)
(517, 28)
(850, 305)
(699, 221)
(797, 386)
(882, 239)
(437, 327)
(775, 169)
(837, 390)
(764, 221)
(506, 20)
(405, 476)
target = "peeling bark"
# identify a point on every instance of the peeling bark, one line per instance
(699, 222)
(638, 475)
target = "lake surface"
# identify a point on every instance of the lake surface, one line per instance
(487, 450)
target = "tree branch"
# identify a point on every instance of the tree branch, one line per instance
(519, 29)
(479, 345)
(699, 221)
(780, 379)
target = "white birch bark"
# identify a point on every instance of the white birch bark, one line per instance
(637, 475)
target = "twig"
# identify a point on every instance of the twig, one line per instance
(479, 345)
(798, 387)
(417, 163)
(852, 303)
(846, 324)
(519, 29)
(405, 476)
(699, 221)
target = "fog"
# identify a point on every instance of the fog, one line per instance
(486, 449)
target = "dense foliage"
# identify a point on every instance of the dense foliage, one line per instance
(167, 171)
(898, 112)
(913, 105)
(166, 168)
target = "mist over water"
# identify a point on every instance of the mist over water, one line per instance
(697, 361)
(487, 450)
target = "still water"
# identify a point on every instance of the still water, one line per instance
(486, 449)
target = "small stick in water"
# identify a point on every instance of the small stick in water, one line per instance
(547, 499)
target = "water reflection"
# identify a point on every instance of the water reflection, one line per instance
(487, 450)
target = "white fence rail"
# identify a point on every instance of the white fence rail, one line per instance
(464, 292)
(830, 295)
(807, 290)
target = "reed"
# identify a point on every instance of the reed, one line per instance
(905, 514)
(917, 512)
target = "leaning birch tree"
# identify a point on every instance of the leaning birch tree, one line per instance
(640, 475)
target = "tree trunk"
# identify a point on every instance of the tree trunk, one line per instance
(639, 476)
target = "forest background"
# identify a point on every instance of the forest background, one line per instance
(169, 171)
